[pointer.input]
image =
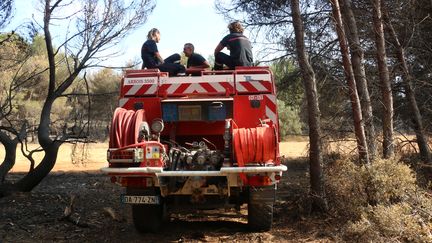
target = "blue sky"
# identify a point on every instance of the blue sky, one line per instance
(179, 21)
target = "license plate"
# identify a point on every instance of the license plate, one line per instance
(140, 199)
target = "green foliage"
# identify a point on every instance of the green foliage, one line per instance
(25, 66)
(290, 97)
(104, 89)
(211, 60)
(12, 51)
(381, 201)
(15, 39)
(38, 45)
(289, 120)
(288, 82)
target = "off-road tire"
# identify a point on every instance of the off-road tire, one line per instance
(147, 217)
(260, 208)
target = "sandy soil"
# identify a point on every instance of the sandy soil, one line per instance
(98, 215)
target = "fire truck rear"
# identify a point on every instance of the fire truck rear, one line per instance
(203, 141)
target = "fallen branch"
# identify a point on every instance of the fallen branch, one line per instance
(112, 213)
(68, 215)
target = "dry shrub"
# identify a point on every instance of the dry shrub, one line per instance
(397, 222)
(388, 181)
(381, 201)
(346, 194)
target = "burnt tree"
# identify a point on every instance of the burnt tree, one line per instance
(99, 26)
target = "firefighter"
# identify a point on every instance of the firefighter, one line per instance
(152, 59)
(239, 46)
(195, 60)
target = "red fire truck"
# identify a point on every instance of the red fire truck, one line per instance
(202, 141)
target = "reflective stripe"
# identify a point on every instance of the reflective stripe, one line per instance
(271, 107)
(123, 101)
(133, 90)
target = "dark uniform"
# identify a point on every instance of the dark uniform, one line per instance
(240, 51)
(195, 60)
(170, 65)
(148, 50)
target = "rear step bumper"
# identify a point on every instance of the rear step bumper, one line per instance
(224, 171)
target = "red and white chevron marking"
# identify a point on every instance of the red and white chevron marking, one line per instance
(254, 83)
(271, 107)
(122, 102)
(137, 90)
(212, 84)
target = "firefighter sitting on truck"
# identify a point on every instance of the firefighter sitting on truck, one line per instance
(239, 46)
(152, 59)
(195, 63)
(195, 60)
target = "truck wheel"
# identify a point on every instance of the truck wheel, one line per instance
(260, 208)
(147, 218)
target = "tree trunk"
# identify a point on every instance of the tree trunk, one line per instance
(34, 177)
(319, 202)
(410, 95)
(50, 147)
(387, 98)
(357, 62)
(353, 94)
(10, 146)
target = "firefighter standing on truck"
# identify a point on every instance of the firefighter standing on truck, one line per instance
(239, 46)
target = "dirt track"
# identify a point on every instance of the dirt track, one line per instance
(99, 217)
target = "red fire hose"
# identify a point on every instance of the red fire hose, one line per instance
(254, 145)
(125, 127)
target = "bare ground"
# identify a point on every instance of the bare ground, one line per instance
(98, 215)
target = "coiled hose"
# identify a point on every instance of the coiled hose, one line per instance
(254, 145)
(125, 127)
